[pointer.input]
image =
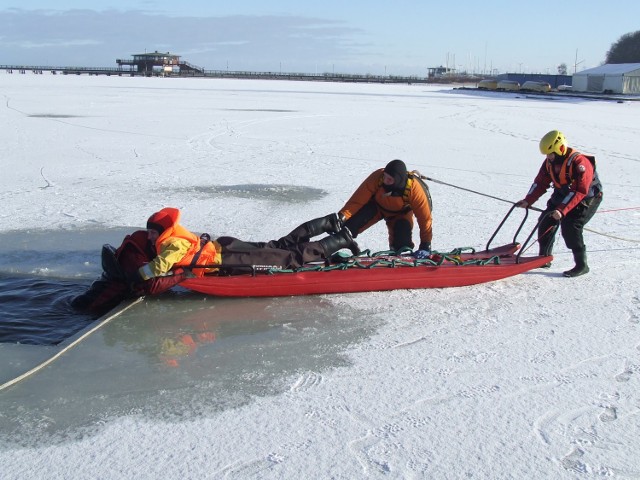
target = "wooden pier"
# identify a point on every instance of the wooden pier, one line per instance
(121, 72)
(160, 64)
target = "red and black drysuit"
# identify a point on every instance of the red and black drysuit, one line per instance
(577, 193)
(119, 281)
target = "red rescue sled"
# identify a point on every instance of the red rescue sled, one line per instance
(378, 273)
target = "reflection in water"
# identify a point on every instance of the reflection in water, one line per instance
(179, 356)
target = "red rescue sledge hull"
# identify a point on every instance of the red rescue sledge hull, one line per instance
(378, 278)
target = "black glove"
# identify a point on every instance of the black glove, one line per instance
(134, 280)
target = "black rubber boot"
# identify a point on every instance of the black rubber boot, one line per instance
(580, 257)
(332, 223)
(547, 233)
(338, 241)
(545, 242)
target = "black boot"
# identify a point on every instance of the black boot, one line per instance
(338, 241)
(332, 223)
(580, 257)
(547, 234)
(545, 242)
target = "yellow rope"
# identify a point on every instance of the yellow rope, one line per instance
(70, 346)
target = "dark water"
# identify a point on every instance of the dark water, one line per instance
(40, 272)
(37, 310)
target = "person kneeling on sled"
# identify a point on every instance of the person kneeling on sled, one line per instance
(577, 193)
(178, 247)
(119, 279)
(396, 195)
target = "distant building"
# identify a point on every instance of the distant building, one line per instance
(621, 78)
(148, 63)
(434, 72)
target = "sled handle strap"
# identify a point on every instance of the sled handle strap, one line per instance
(526, 214)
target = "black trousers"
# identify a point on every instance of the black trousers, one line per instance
(290, 251)
(399, 226)
(571, 225)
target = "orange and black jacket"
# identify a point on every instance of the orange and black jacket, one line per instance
(415, 198)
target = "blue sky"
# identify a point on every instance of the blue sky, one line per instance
(401, 37)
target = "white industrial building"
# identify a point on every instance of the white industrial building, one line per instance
(621, 78)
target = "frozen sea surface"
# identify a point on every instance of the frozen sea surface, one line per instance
(536, 376)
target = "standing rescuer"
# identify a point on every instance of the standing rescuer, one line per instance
(577, 194)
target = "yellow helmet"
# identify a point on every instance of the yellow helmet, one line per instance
(553, 142)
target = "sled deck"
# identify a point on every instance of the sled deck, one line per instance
(374, 273)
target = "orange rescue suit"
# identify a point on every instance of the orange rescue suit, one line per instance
(414, 201)
(178, 247)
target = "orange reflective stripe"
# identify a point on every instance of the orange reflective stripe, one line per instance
(566, 171)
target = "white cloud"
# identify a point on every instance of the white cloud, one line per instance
(49, 44)
(258, 42)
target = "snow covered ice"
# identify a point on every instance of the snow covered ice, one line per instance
(535, 376)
